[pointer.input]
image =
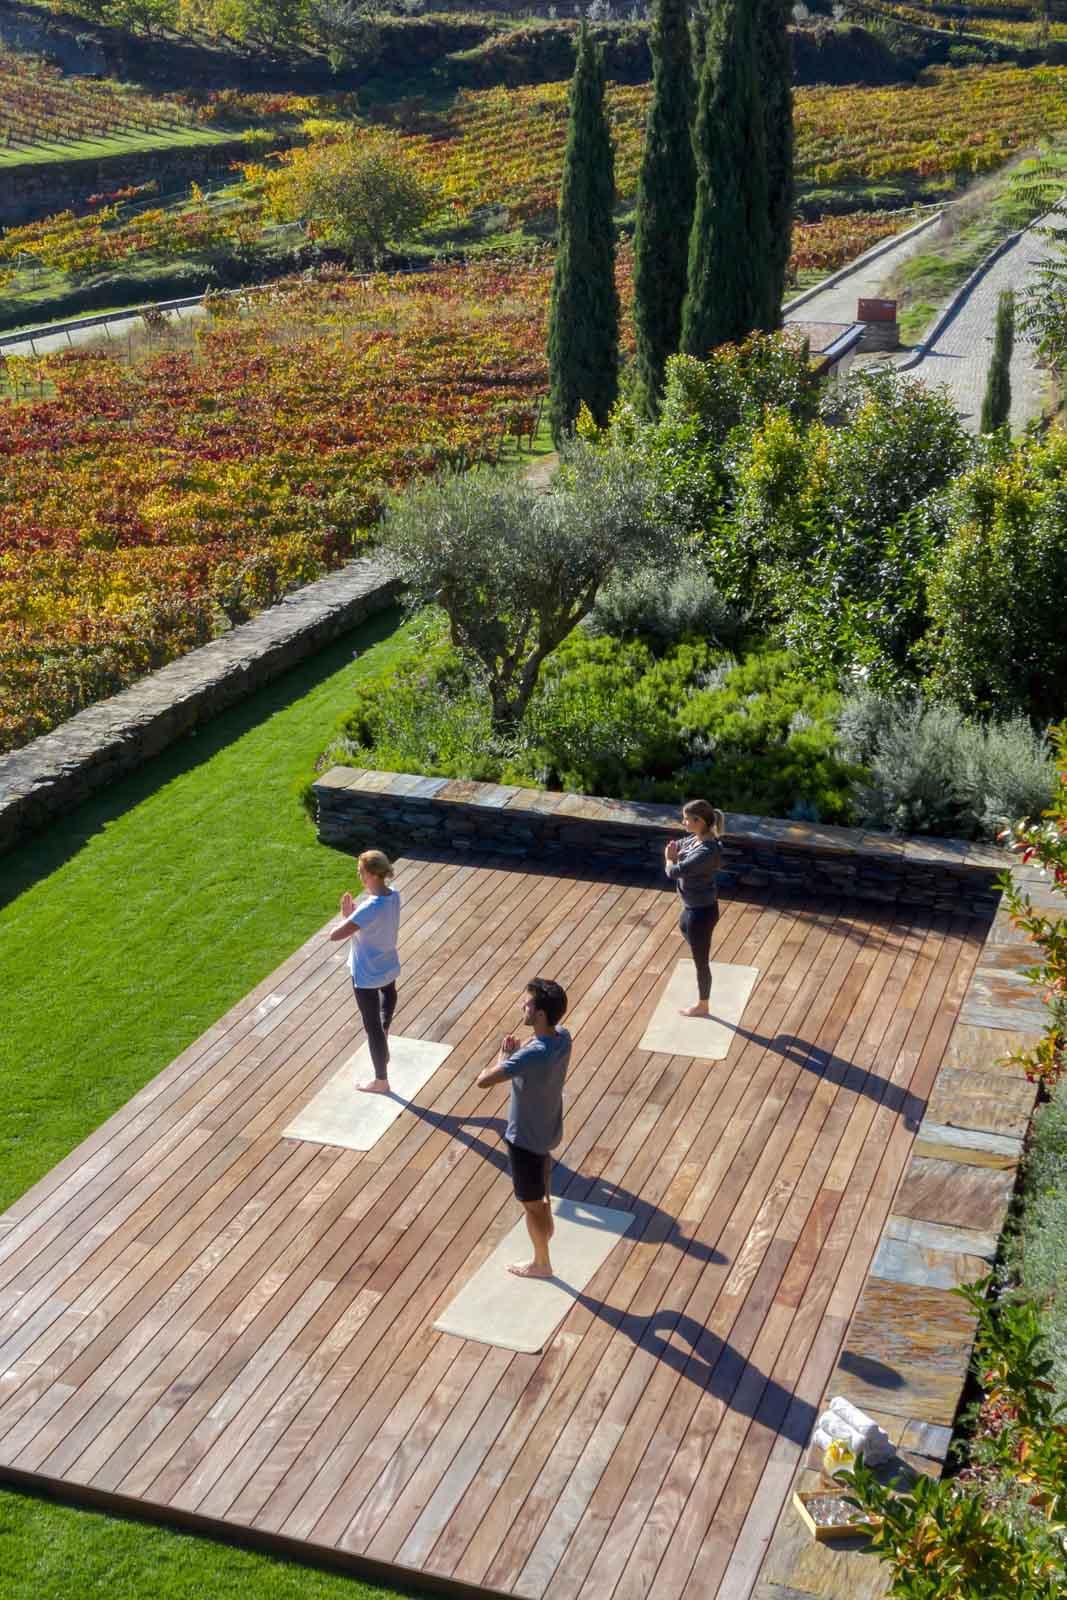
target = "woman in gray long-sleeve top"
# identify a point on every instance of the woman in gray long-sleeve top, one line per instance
(693, 865)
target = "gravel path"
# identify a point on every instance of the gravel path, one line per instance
(959, 357)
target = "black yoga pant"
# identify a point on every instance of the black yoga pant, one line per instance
(376, 1007)
(697, 924)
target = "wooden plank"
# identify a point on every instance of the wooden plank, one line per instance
(199, 1314)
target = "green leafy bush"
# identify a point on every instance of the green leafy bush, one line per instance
(1039, 1253)
(611, 716)
(932, 770)
(997, 640)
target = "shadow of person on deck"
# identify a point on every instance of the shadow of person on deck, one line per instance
(671, 1337)
(654, 1225)
(846, 1074)
(709, 1363)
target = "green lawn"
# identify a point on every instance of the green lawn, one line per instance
(125, 931)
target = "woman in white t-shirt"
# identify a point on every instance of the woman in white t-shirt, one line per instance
(373, 925)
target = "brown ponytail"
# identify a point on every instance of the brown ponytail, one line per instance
(708, 813)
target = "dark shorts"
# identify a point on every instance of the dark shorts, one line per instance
(529, 1172)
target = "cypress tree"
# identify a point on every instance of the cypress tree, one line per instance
(583, 323)
(996, 404)
(664, 201)
(729, 246)
(776, 69)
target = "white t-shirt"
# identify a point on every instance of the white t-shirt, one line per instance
(372, 958)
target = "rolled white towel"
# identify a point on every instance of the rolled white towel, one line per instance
(834, 1427)
(873, 1446)
(874, 1441)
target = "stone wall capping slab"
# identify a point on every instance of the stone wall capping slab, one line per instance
(426, 788)
(887, 845)
(809, 836)
(905, 1261)
(993, 856)
(972, 1146)
(938, 1236)
(587, 807)
(543, 801)
(341, 778)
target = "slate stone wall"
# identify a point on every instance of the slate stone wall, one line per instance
(356, 809)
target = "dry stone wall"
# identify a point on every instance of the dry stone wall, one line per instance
(356, 808)
(108, 740)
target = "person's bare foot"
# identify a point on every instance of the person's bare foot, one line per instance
(375, 1086)
(529, 1269)
(694, 1011)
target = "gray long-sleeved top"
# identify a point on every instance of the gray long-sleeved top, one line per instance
(694, 873)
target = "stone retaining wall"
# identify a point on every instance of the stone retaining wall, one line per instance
(38, 189)
(396, 810)
(108, 740)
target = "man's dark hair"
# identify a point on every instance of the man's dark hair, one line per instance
(550, 997)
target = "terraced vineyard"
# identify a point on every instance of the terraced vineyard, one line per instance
(504, 147)
(144, 504)
(41, 110)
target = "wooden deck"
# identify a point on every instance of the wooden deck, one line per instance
(218, 1326)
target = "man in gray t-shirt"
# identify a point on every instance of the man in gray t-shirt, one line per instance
(536, 1071)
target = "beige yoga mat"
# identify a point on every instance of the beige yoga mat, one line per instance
(513, 1313)
(710, 1037)
(339, 1114)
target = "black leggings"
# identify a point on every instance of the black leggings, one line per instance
(697, 923)
(376, 1007)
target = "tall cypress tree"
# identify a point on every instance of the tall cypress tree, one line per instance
(664, 201)
(996, 403)
(729, 246)
(776, 69)
(583, 325)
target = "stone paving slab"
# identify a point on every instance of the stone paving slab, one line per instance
(968, 1145)
(946, 1192)
(974, 1048)
(938, 1236)
(992, 1102)
(907, 1351)
(903, 1261)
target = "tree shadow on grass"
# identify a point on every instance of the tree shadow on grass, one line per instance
(61, 840)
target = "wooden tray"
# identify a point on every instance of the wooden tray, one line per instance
(858, 1525)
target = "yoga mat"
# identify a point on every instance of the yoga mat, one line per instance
(497, 1308)
(340, 1114)
(709, 1037)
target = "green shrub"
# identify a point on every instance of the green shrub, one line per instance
(665, 603)
(420, 716)
(931, 770)
(1040, 1248)
(603, 719)
(763, 739)
(997, 641)
(610, 716)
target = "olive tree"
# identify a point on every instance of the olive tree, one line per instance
(516, 570)
(360, 191)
